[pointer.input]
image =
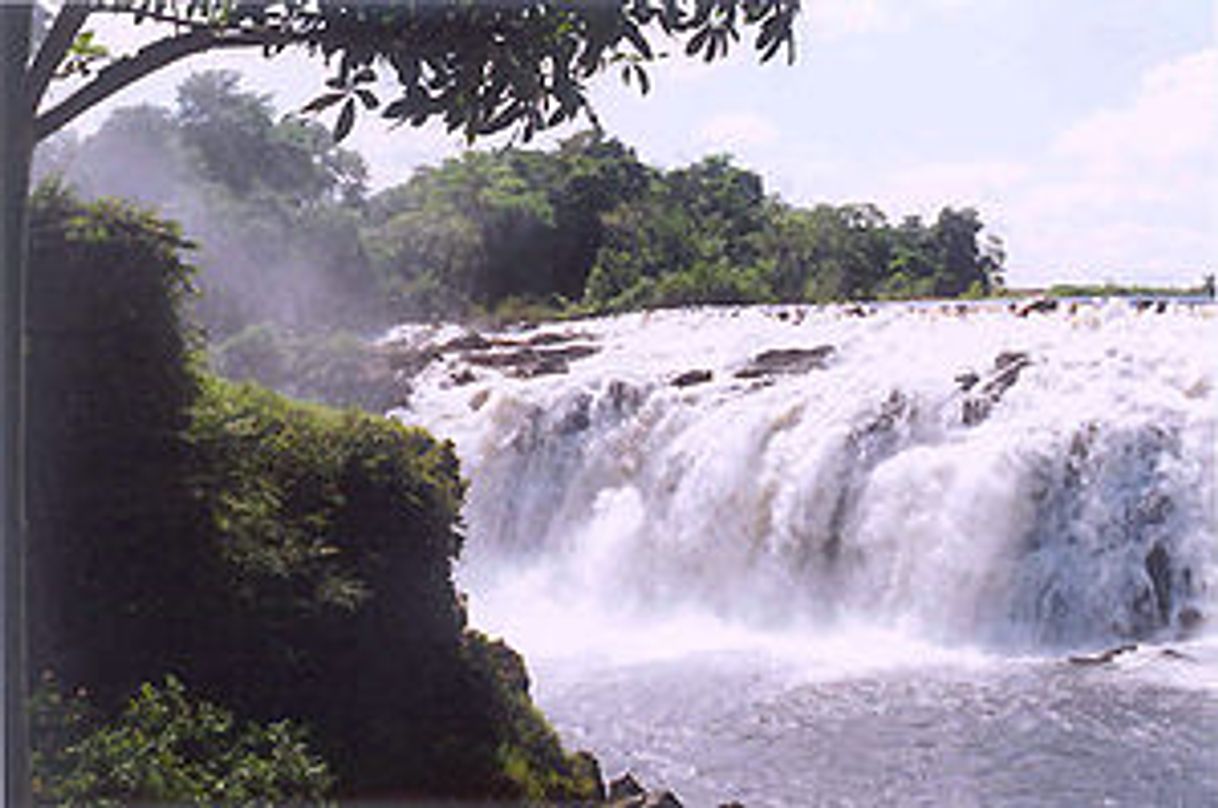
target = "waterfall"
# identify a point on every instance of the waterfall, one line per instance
(958, 474)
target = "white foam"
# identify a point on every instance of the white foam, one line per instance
(850, 495)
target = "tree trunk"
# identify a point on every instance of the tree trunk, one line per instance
(16, 146)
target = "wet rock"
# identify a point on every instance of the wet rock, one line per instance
(1103, 657)
(1173, 653)
(624, 398)
(1189, 620)
(543, 366)
(1007, 367)
(967, 380)
(627, 792)
(1037, 305)
(1158, 568)
(469, 341)
(692, 377)
(556, 338)
(462, 377)
(572, 353)
(625, 787)
(528, 362)
(503, 359)
(786, 361)
(575, 416)
(479, 399)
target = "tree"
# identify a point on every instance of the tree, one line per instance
(478, 68)
(491, 226)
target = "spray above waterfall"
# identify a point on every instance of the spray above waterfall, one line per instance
(958, 475)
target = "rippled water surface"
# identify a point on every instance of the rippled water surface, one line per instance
(1017, 733)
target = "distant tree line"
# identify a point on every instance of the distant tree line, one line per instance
(588, 228)
(291, 236)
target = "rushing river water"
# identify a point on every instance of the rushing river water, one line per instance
(798, 556)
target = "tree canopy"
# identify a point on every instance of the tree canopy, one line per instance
(480, 67)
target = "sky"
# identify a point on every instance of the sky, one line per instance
(1085, 132)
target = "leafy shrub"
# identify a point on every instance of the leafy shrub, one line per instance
(286, 559)
(166, 747)
(338, 529)
(119, 574)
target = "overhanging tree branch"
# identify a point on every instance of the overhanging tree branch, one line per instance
(130, 69)
(63, 33)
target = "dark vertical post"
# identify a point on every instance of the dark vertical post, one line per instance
(16, 144)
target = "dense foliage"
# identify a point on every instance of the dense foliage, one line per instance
(589, 228)
(292, 245)
(167, 748)
(118, 577)
(490, 225)
(272, 204)
(284, 560)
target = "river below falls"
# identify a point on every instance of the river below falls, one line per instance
(720, 726)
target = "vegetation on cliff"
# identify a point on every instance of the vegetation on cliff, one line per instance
(282, 560)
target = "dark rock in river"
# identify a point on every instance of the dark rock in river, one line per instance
(469, 341)
(479, 398)
(528, 362)
(623, 398)
(542, 366)
(1158, 568)
(1038, 305)
(1104, 657)
(1007, 367)
(692, 377)
(575, 415)
(555, 338)
(967, 380)
(462, 377)
(625, 787)
(786, 361)
(1189, 620)
(627, 792)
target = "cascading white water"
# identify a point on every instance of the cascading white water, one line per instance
(954, 475)
(798, 556)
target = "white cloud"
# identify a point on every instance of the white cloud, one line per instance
(734, 131)
(1131, 186)
(1173, 117)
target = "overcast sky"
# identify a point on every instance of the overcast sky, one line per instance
(1084, 131)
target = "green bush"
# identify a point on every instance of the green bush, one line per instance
(288, 560)
(338, 529)
(166, 747)
(119, 574)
